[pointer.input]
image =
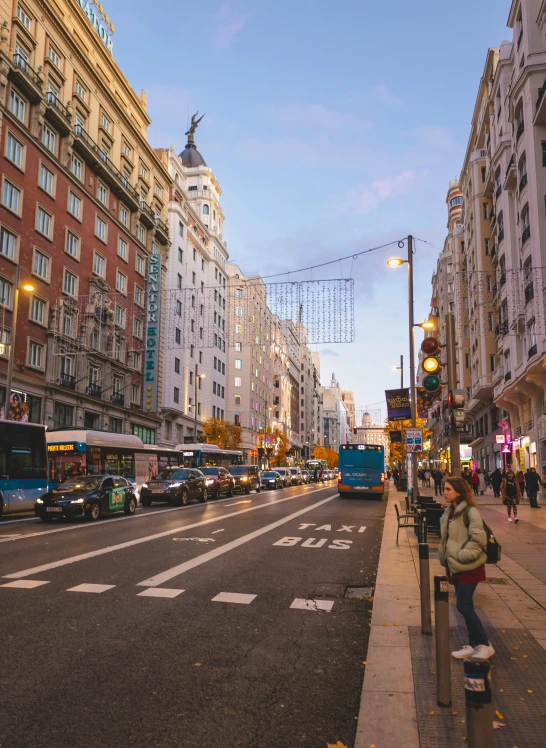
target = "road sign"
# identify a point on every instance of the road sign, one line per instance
(414, 440)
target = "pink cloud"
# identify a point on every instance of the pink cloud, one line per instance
(230, 23)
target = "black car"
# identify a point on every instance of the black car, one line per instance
(90, 496)
(247, 477)
(176, 486)
(219, 481)
(271, 479)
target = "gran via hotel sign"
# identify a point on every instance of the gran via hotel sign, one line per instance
(153, 312)
(100, 21)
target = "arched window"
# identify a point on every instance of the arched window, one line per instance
(205, 210)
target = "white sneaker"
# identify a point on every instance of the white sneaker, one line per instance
(509, 519)
(483, 652)
(465, 653)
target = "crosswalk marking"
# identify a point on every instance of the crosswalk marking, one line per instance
(310, 604)
(160, 592)
(233, 597)
(95, 588)
(25, 584)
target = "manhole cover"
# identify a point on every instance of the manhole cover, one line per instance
(497, 580)
(363, 592)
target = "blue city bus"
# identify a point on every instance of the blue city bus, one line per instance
(361, 470)
(208, 455)
(23, 475)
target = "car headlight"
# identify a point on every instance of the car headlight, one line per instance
(77, 501)
(210, 481)
(175, 485)
(144, 485)
(244, 478)
(39, 501)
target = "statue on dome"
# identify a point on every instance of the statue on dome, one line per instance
(193, 127)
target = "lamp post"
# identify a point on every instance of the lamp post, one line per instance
(11, 360)
(396, 262)
(197, 376)
(401, 369)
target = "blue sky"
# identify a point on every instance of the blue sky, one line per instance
(331, 127)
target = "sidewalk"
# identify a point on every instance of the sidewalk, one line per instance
(398, 705)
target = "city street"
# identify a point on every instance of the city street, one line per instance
(224, 624)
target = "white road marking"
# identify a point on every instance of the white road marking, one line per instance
(25, 584)
(361, 529)
(158, 579)
(248, 501)
(160, 592)
(215, 531)
(138, 541)
(305, 604)
(94, 588)
(232, 597)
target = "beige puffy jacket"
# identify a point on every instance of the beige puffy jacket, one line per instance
(462, 548)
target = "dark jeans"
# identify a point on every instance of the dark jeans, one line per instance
(437, 488)
(465, 606)
(532, 494)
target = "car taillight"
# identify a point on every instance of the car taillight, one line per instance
(339, 476)
(382, 477)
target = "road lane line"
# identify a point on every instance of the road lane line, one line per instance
(165, 576)
(229, 597)
(25, 584)
(138, 541)
(94, 589)
(160, 592)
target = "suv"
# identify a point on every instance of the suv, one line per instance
(247, 477)
(286, 476)
(297, 478)
(219, 481)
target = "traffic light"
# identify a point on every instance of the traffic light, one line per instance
(456, 400)
(431, 364)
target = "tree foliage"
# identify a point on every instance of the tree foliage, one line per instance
(396, 448)
(225, 435)
(326, 453)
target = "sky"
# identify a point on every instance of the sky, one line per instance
(332, 128)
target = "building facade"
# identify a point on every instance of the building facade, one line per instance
(83, 207)
(372, 433)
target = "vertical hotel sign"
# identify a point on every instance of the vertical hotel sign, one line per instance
(102, 26)
(153, 311)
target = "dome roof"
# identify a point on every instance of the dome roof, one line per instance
(190, 156)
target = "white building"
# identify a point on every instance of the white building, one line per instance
(334, 416)
(372, 433)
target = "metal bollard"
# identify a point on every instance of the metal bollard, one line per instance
(479, 707)
(443, 648)
(424, 580)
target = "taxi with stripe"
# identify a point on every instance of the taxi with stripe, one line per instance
(90, 496)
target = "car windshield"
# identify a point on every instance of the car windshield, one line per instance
(238, 470)
(269, 475)
(294, 471)
(79, 484)
(281, 471)
(210, 471)
(173, 474)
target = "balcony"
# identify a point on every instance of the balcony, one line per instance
(492, 217)
(94, 156)
(508, 376)
(67, 380)
(502, 279)
(519, 131)
(532, 351)
(93, 390)
(147, 214)
(57, 113)
(540, 113)
(523, 182)
(161, 230)
(495, 289)
(500, 237)
(498, 192)
(504, 327)
(26, 79)
(511, 174)
(117, 398)
(493, 252)
(525, 235)
(529, 292)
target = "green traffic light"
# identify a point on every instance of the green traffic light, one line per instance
(431, 383)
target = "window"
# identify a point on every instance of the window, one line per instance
(126, 150)
(178, 308)
(11, 197)
(177, 366)
(99, 265)
(36, 355)
(238, 363)
(205, 210)
(135, 393)
(102, 193)
(53, 56)
(76, 167)
(192, 349)
(123, 215)
(45, 179)
(451, 287)
(485, 209)
(179, 281)
(14, 150)
(41, 265)
(492, 368)
(105, 122)
(140, 264)
(178, 336)
(180, 232)
(194, 255)
(456, 201)
(74, 205)
(238, 382)
(490, 321)
(141, 233)
(5, 293)
(176, 395)
(486, 242)
(72, 244)
(121, 282)
(238, 329)
(38, 310)
(7, 243)
(193, 278)
(143, 172)
(80, 90)
(137, 360)
(70, 283)
(22, 16)
(100, 229)
(467, 360)
(120, 316)
(49, 138)
(123, 248)
(17, 105)
(137, 327)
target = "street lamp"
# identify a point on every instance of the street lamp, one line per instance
(197, 376)
(401, 370)
(394, 262)
(29, 288)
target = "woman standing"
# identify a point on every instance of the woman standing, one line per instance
(496, 482)
(482, 485)
(511, 495)
(462, 552)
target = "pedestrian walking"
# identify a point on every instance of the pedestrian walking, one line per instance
(437, 475)
(467, 476)
(482, 485)
(520, 478)
(496, 482)
(428, 476)
(446, 477)
(532, 484)
(511, 495)
(462, 552)
(475, 482)
(487, 478)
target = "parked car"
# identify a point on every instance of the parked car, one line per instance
(306, 476)
(219, 481)
(286, 476)
(90, 496)
(246, 477)
(176, 486)
(271, 479)
(297, 480)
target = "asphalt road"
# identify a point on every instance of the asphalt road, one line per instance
(275, 661)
